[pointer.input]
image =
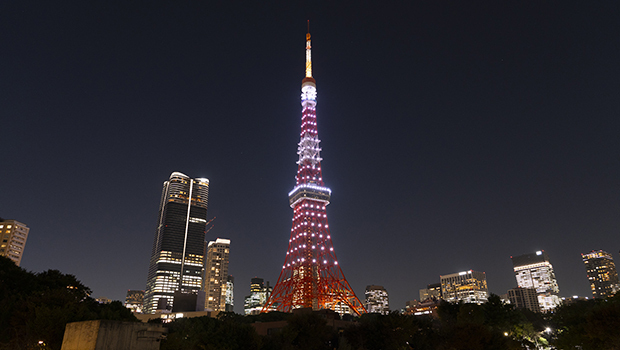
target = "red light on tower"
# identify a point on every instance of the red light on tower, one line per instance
(311, 276)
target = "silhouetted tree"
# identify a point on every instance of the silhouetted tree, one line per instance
(36, 307)
(588, 325)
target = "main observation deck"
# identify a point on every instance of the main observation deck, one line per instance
(309, 191)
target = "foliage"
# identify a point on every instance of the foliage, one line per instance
(591, 324)
(227, 332)
(304, 331)
(36, 307)
(392, 331)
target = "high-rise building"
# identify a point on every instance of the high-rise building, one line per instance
(377, 300)
(230, 294)
(524, 298)
(310, 276)
(177, 258)
(535, 271)
(602, 273)
(135, 300)
(13, 236)
(216, 274)
(432, 291)
(259, 292)
(466, 286)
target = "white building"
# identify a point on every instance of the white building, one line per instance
(377, 300)
(216, 274)
(535, 271)
(230, 295)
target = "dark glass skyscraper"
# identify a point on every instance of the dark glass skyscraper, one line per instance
(602, 273)
(178, 251)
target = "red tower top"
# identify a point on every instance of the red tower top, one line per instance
(311, 276)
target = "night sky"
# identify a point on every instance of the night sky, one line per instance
(454, 134)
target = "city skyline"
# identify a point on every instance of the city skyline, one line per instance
(454, 135)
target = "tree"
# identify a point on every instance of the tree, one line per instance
(591, 324)
(37, 307)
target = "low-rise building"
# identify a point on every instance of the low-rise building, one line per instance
(466, 286)
(524, 298)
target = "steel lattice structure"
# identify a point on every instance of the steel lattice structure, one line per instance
(311, 276)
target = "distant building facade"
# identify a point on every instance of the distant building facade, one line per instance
(524, 298)
(602, 273)
(134, 300)
(216, 274)
(13, 236)
(259, 293)
(230, 294)
(103, 300)
(427, 307)
(432, 291)
(535, 271)
(177, 257)
(377, 300)
(466, 286)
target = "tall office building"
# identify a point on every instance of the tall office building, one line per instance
(259, 292)
(178, 251)
(216, 274)
(230, 294)
(602, 273)
(524, 298)
(535, 271)
(377, 300)
(466, 286)
(13, 236)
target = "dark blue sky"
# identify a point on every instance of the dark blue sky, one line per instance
(454, 134)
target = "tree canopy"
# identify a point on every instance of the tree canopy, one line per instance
(36, 307)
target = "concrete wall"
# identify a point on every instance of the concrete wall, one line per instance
(112, 335)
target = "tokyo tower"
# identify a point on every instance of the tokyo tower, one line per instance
(311, 276)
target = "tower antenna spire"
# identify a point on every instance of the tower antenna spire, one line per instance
(308, 54)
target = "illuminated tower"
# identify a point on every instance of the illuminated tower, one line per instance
(178, 251)
(311, 276)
